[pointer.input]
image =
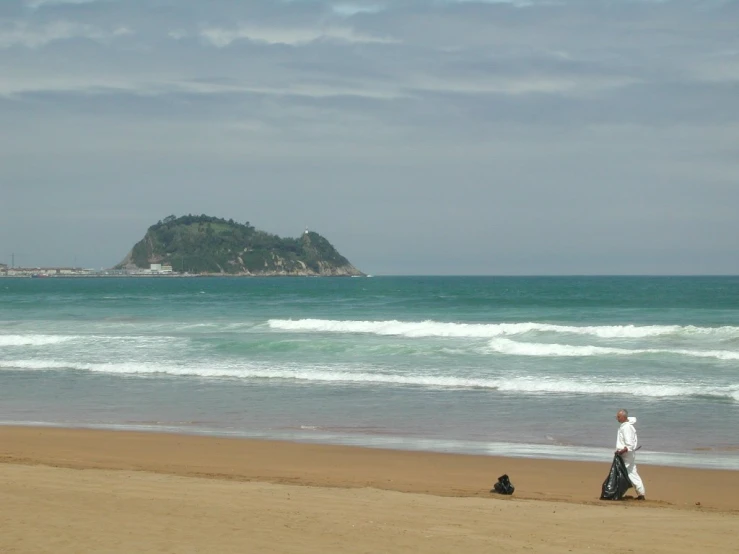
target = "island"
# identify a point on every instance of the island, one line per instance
(205, 245)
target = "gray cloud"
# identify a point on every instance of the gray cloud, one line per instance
(445, 137)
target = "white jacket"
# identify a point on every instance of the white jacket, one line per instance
(626, 437)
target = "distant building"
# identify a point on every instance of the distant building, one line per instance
(159, 269)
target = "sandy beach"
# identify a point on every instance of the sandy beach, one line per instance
(67, 490)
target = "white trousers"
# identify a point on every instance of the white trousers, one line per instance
(629, 459)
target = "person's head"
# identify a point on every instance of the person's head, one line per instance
(622, 416)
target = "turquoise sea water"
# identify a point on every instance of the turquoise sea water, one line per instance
(517, 366)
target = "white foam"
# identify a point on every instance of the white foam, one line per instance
(626, 386)
(539, 385)
(515, 348)
(33, 340)
(510, 347)
(488, 330)
(42, 365)
(327, 374)
(48, 340)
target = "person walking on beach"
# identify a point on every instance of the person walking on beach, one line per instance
(626, 445)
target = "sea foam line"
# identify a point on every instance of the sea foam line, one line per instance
(431, 328)
(515, 348)
(33, 340)
(48, 340)
(327, 374)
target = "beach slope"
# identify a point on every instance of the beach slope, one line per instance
(70, 491)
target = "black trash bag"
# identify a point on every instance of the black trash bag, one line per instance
(503, 486)
(617, 482)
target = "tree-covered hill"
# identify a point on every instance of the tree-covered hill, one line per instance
(204, 244)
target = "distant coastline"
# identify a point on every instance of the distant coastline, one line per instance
(66, 273)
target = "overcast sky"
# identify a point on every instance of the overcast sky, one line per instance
(418, 136)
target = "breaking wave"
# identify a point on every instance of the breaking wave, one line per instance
(489, 330)
(33, 340)
(328, 374)
(514, 348)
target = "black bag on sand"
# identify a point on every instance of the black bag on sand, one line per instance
(617, 482)
(503, 486)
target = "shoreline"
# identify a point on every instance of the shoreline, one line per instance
(724, 457)
(351, 467)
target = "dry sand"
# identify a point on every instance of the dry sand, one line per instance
(77, 491)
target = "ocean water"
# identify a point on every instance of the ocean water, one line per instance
(517, 366)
